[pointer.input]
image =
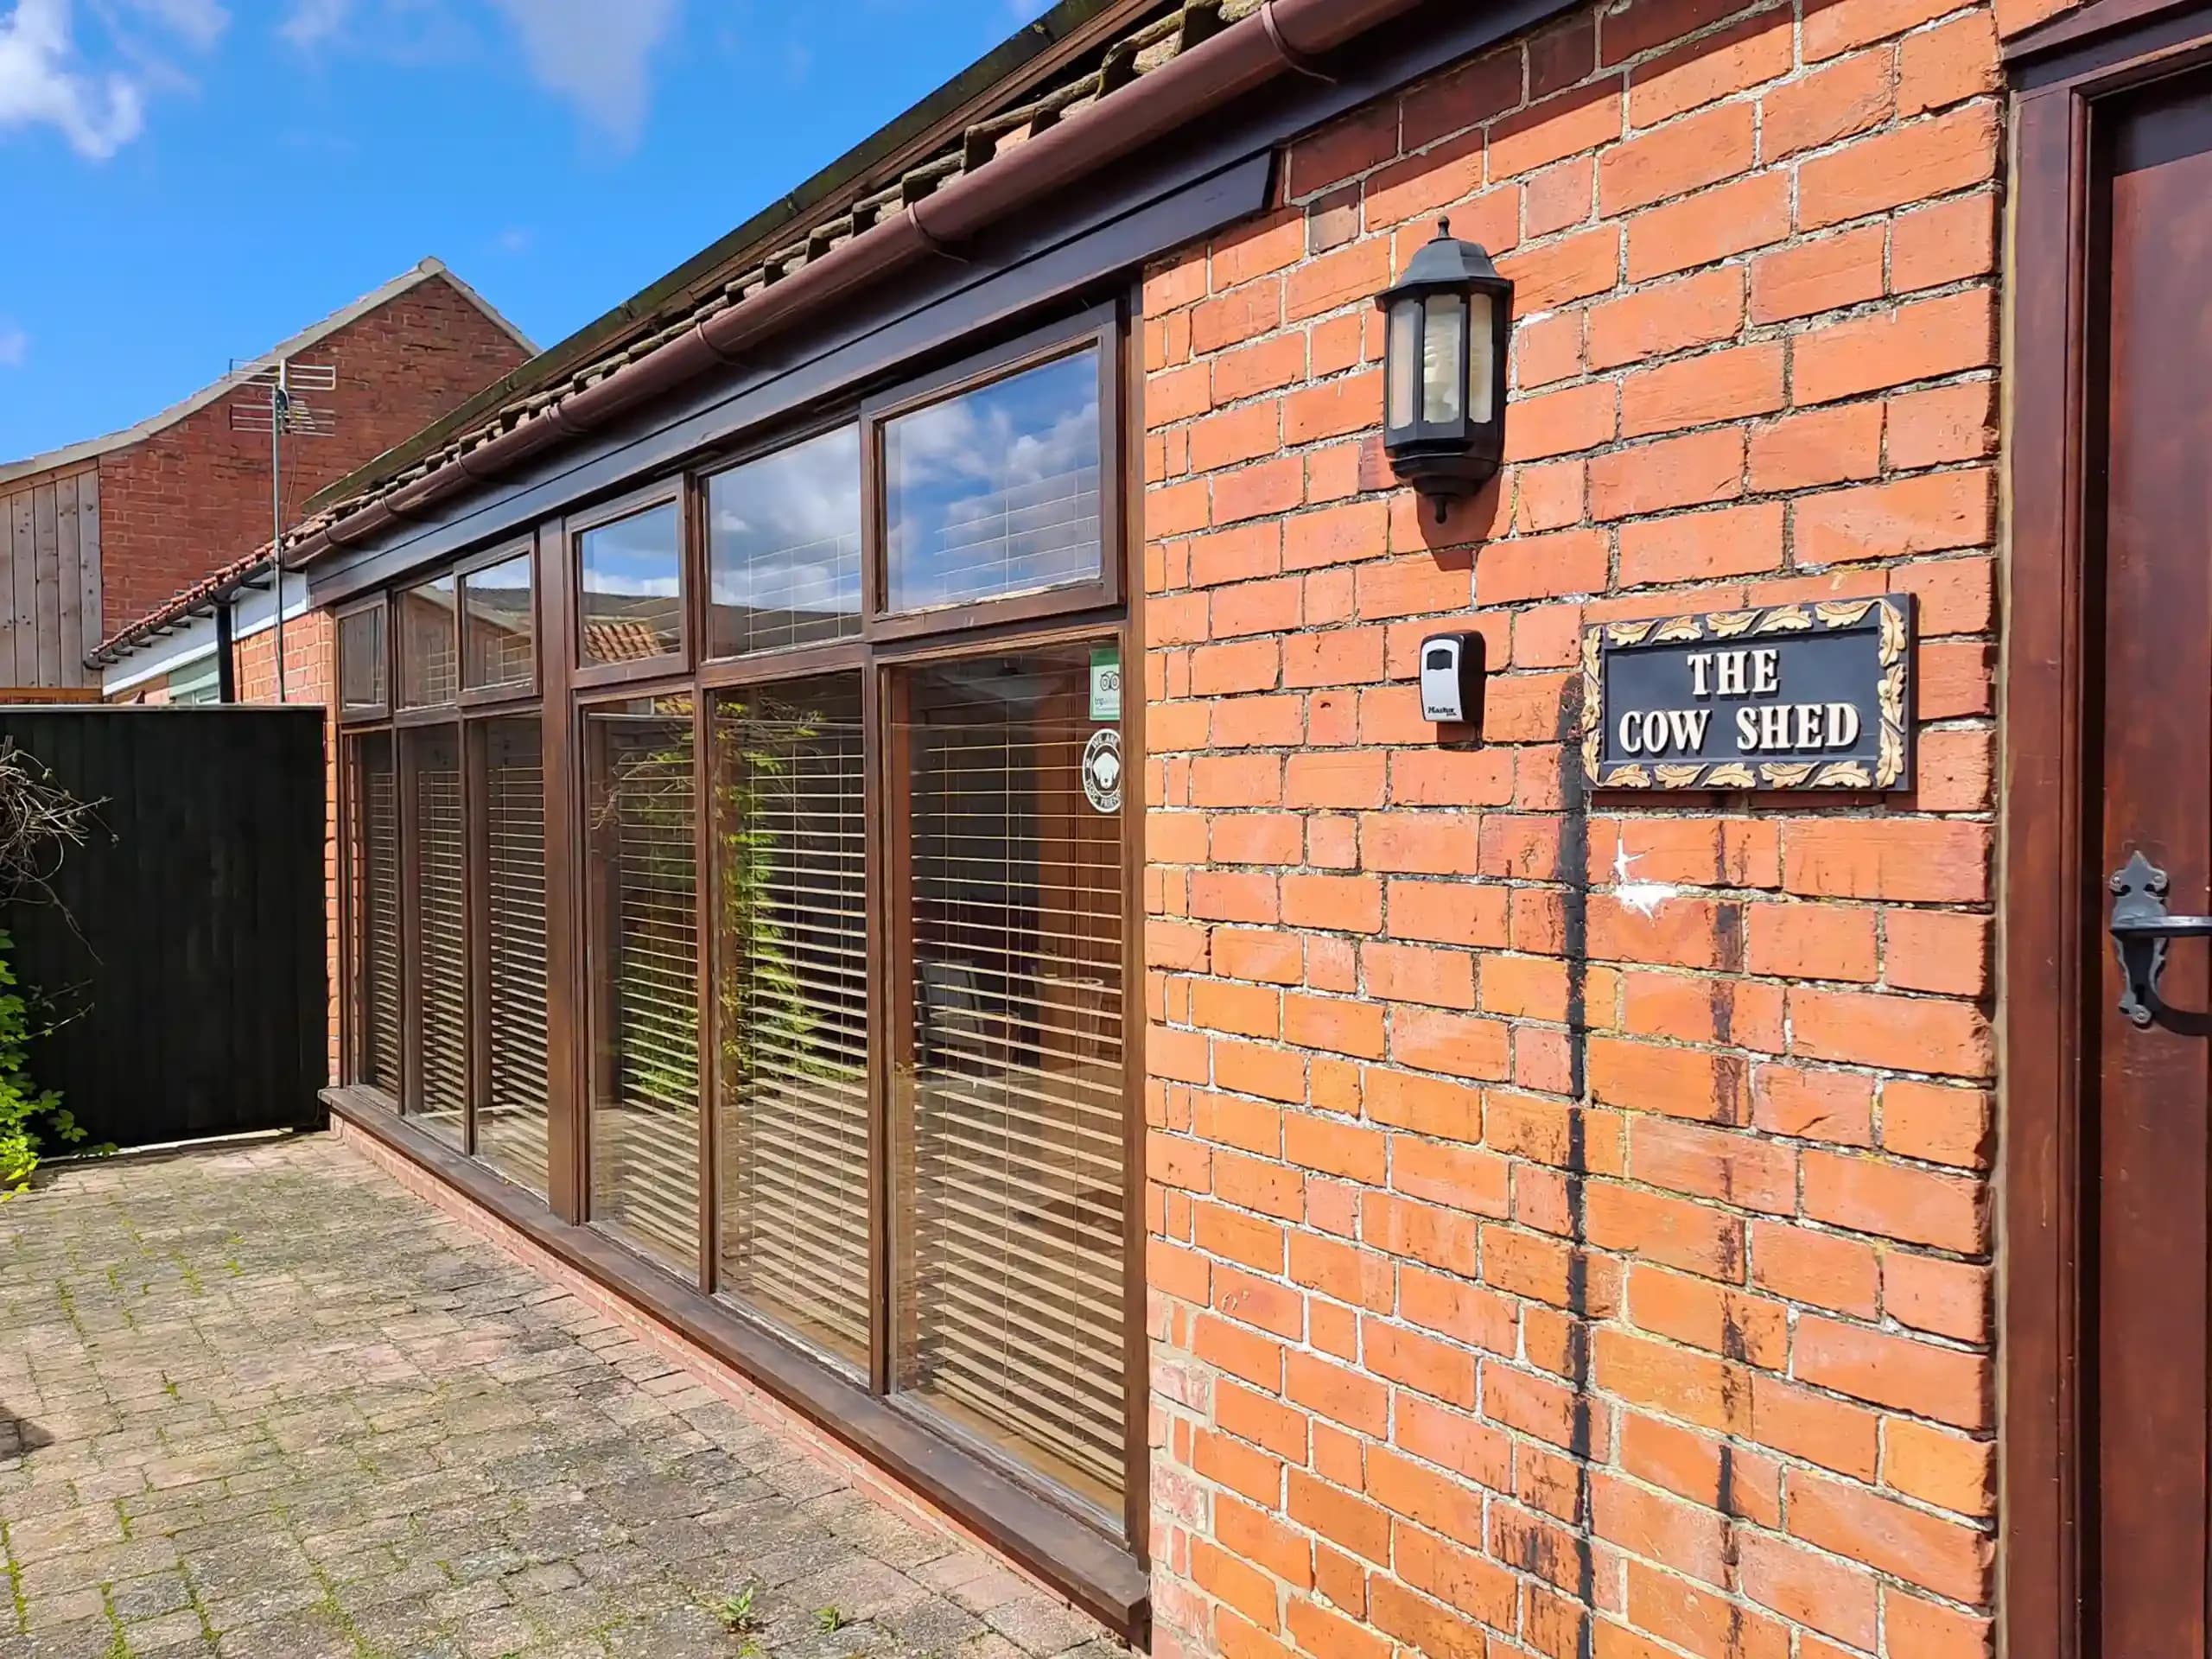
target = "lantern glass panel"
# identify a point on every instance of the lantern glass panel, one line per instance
(1443, 345)
(1482, 358)
(1403, 374)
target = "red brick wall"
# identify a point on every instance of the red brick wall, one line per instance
(1532, 1260)
(195, 497)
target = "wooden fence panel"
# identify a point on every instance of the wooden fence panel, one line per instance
(193, 940)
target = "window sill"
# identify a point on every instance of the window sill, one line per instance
(1100, 1575)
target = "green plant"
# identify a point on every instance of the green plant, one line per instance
(30, 1117)
(829, 1620)
(736, 1611)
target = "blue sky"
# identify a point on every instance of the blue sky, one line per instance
(184, 181)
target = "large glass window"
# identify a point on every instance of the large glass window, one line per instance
(784, 548)
(630, 578)
(790, 953)
(994, 491)
(428, 649)
(641, 823)
(818, 1005)
(498, 627)
(1010, 1179)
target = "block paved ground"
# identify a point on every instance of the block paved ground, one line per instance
(264, 1404)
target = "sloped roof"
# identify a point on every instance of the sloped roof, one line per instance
(1077, 55)
(89, 449)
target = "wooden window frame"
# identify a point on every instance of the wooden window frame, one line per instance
(364, 714)
(489, 696)
(680, 493)
(734, 460)
(1097, 329)
(1096, 1557)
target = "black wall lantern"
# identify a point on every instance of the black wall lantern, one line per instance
(1450, 321)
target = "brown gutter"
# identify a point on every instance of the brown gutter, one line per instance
(1283, 36)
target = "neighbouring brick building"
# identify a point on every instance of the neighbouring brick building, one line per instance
(1539, 1217)
(103, 533)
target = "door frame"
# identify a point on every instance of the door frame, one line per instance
(2064, 74)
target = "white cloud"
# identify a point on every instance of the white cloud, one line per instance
(595, 54)
(313, 22)
(15, 345)
(42, 84)
(198, 23)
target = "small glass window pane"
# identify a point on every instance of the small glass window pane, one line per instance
(630, 574)
(431, 800)
(497, 629)
(784, 548)
(1482, 358)
(791, 986)
(1404, 370)
(427, 646)
(996, 491)
(641, 807)
(360, 661)
(1442, 374)
(1008, 1185)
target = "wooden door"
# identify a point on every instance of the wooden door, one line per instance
(2108, 1110)
(2148, 1139)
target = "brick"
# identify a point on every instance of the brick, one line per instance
(1465, 96)
(1559, 422)
(1822, 274)
(1543, 567)
(1743, 1170)
(1554, 127)
(1947, 242)
(1240, 314)
(1692, 1387)
(1811, 941)
(1908, 164)
(1948, 1471)
(1676, 158)
(1669, 316)
(1341, 1395)
(1901, 1372)
(1944, 951)
(1687, 1083)
(1558, 196)
(1688, 471)
(1907, 1033)
(1833, 102)
(1841, 25)
(1927, 1293)
(1559, 272)
(1717, 386)
(1943, 423)
(1927, 514)
(1941, 1125)
(1695, 1237)
(1817, 1105)
(1755, 49)
(1824, 1270)
(1815, 1591)
(1729, 219)
(1951, 1559)
(1927, 860)
(1949, 64)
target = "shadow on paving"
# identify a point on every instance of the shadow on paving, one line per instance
(285, 1410)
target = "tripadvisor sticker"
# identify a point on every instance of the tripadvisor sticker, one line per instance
(1102, 770)
(1105, 682)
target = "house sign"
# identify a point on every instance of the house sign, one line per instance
(1794, 696)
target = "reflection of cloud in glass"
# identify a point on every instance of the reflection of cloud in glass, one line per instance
(996, 491)
(783, 554)
(629, 572)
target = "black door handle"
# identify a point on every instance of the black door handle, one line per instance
(2140, 928)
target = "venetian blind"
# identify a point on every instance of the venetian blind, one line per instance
(791, 971)
(510, 1123)
(646, 1109)
(377, 912)
(1012, 1249)
(440, 951)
